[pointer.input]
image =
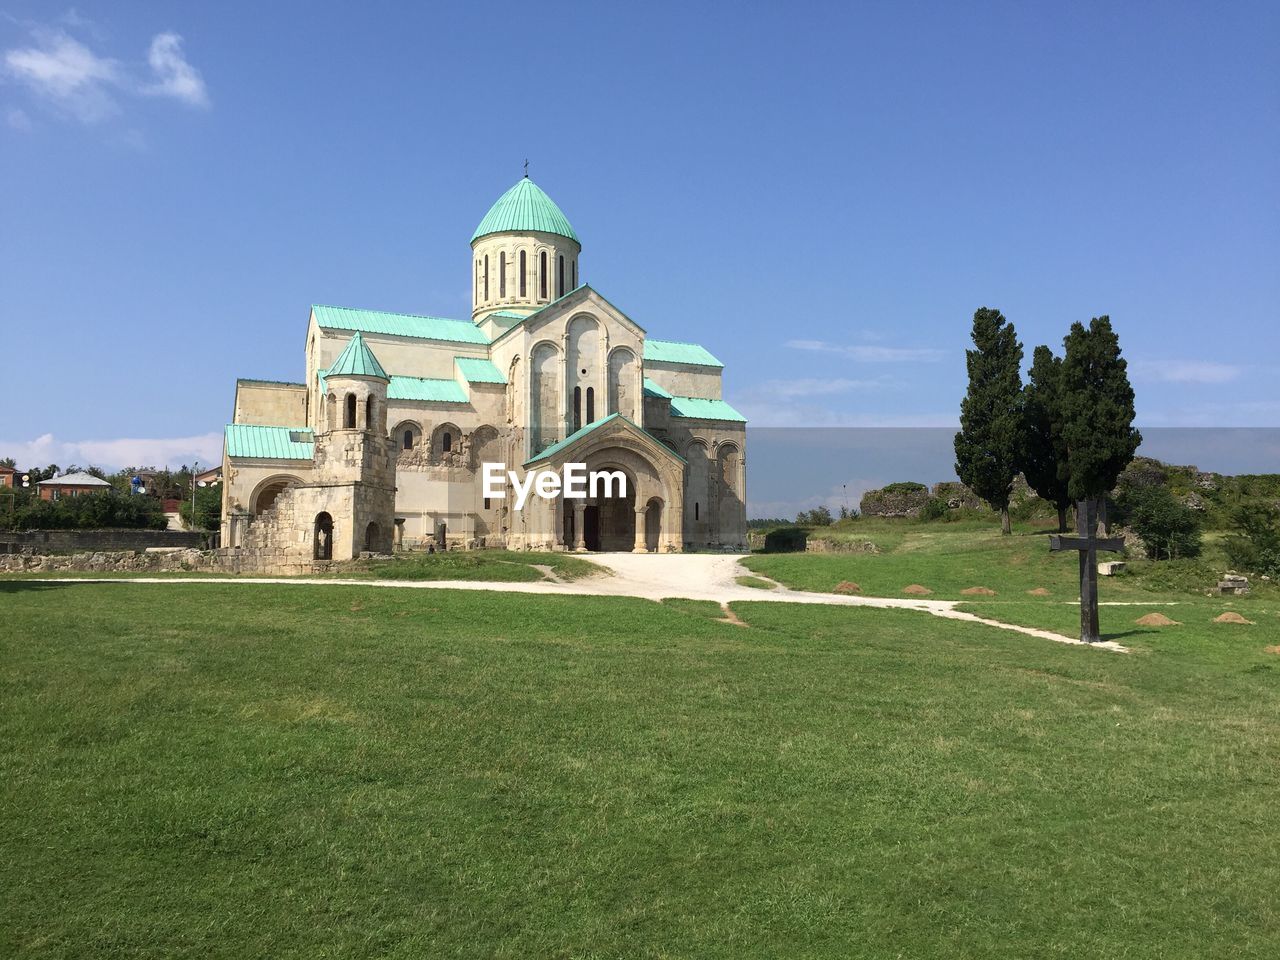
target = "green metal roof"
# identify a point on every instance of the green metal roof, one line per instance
(651, 389)
(700, 408)
(269, 443)
(398, 324)
(477, 370)
(524, 209)
(357, 360)
(673, 351)
(269, 383)
(426, 390)
(555, 448)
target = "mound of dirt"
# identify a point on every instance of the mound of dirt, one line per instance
(915, 590)
(1232, 617)
(977, 592)
(847, 586)
(1038, 592)
(1156, 620)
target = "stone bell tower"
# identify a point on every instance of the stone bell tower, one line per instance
(355, 478)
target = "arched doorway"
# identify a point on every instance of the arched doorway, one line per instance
(615, 519)
(264, 497)
(653, 524)
(322, 537)
(372, 534)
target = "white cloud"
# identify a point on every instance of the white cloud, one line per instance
(64, 73)
(115, 454)
(871, 353)
(175, 77)
(67, 74)
(815, 386)
(1185, 371)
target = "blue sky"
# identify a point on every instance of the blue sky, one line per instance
(821, 194)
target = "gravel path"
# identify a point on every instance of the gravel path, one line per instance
(695, 576)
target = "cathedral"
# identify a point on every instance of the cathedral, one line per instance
(381, 446)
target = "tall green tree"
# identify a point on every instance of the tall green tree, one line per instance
(1044, 452)
(1097, 410)
(988, 446)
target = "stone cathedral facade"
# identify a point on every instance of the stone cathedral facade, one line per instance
(380, 446)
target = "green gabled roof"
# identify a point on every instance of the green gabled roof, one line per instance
(398, 324)
(357, 360)
(700, 408)
(651, 389)
(555, 448)
(426, 390)
(524, 209)
(508, 314)
(478, 370)
(673, 351)
(269, 443)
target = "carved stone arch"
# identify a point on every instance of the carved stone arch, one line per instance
(545, 395)
(446, 442)
(265, 493)
(407, 435)
(624, 382)
(483, 446)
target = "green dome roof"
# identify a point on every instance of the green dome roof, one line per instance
(525, 209)
(357, 360)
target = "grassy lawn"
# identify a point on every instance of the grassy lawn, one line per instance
(950, 558)
(244, 771)
(758, 583)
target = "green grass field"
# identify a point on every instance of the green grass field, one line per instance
(220, 770)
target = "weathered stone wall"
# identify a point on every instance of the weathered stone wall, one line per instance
(81, 541)
(894, 501)
(114, 561)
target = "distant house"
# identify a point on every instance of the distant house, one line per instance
(8, 476)
(72, 485)
(209, 477)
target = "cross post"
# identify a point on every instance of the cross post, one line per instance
(1088, 544)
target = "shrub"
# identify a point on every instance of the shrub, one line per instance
(1169, 529)
(785, 540)
(97, 511)
(935, 508)
(817, 517)
(1255, 545)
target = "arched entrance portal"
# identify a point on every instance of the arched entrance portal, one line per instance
(322, 537)
(265, 496)
(617, 520)
(372, 534)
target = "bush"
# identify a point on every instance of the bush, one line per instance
(1169, 529)
(96, 511)
(785, 540)
(906, 486)
(935, 508)
(817, 517)
(1255, 545)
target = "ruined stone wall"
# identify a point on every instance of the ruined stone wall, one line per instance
(81, 541)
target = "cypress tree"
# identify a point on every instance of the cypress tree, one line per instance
(1044, 460)
(990, 438)
(1097, 410)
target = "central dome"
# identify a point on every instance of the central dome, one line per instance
(525, 208)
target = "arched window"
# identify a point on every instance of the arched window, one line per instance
(591, 404)
(408, 440)
(542, 275)
(575, 274)
(486, 277)
(502, 274)
(446, 442)
(476, 286)
(695, 510)
(524, 276)
(350, 420)
(577, 408)
(560, 277)
(370, 417)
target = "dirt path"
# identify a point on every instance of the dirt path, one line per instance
(693, 576)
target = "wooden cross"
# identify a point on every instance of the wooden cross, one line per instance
(1088, 543)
